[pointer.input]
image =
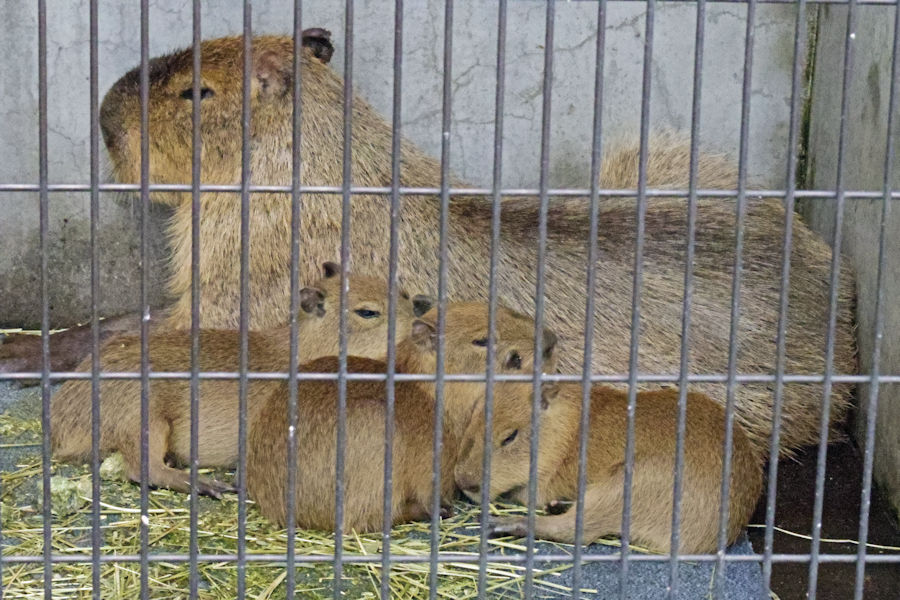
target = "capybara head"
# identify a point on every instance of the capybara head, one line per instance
(367, 313)
(511, 440)
(465, 348)
(170, 108)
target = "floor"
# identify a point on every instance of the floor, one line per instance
(840, 520)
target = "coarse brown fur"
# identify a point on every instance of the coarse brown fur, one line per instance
(654, 465)
(469, 234)
(414, 406)
(169, 408)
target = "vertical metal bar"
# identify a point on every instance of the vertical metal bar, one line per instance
(636, 293)
(346, 180)
(245, 302)
(680, 426)
(878, 334)
(740, 209)
(196, 150)
(822, 459)
(590, 305)
(446, 114)
(145, 286)
(790, 189)
(96, 534)
(294, 361)
(45, 300)
(496, 184)
(539, 293)
(392, 304)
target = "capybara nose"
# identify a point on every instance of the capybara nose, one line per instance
(549, 343)
(422, 304)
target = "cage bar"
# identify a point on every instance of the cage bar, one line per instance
(294, 360)
(196, 153)
(489, 373)
(681, 422)
(591, 286)
(740, 208)
(145, 307)
(443, 266)
(96, 535)
(786, 246)
(641, 210)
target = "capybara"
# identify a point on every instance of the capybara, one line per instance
(169, 399)
(414, 406)
(469, 228)
(654, 465)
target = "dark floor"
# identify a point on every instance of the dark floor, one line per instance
(840, 520)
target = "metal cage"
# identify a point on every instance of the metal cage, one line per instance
(814, 558)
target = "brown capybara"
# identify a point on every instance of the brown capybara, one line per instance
(169, 416)
(414, 406)
(654, 465)
(469, 230)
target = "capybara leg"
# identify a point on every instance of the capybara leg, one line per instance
(602, 516)
(162, 475)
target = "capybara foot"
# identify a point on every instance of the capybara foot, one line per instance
(504, 526)
(214, 488)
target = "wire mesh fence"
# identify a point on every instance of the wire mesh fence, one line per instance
(301, 194)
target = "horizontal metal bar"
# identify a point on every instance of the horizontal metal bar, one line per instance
(616, 378)
(446, 557)
(739, 2)
(434, 191)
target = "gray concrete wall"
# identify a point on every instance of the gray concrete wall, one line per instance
(472, 130)
(863, 170)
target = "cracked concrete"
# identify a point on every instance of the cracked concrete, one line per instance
(472, 130)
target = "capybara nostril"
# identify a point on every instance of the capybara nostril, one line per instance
(422, 304)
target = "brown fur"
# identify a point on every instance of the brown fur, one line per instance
(654, 461)
(469, 228)
(364, 451)
(169, 416)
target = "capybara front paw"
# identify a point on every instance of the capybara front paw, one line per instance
(446, 511)
(504, 526)
(214, 488)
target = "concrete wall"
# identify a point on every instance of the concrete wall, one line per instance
(863, 170)
(472, 130)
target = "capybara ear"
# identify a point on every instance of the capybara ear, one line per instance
(424, 335)
(330, 269)
(319, 41)
(271, 71)
(422, 304)
(311, 301)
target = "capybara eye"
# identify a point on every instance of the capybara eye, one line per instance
(204, 93)
(365, 313)
(508, 439)
(514, 361)
(482, 342)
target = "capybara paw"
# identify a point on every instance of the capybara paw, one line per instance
(214, 488)
(558, 507)
(504, 526)
(446, 511)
